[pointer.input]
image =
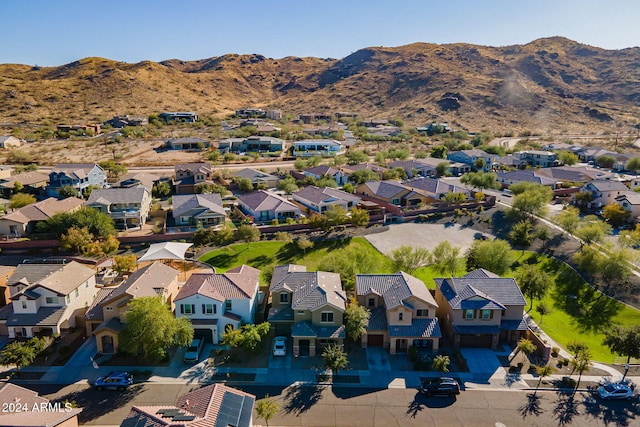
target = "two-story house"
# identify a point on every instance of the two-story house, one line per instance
(78, 176)
(107, 316)
(322, 171)
(24, 220)
(265, 206)
(309, 306)
(215, 302)
(128, 207)
(258, 178)
(251, 144)
(544, 159)
(403, 312)
(470, 157)
(480, 309)
(189, 175)
(203, 210)
(317, 147)
(47, 299)
(319, 200)
(603, 192)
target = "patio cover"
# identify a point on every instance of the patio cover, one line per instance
(166, 250)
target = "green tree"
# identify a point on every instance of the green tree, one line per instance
(321, 222)
(68, 191)
(446, 258)
(21, 353)
(542, 372)
(20, 200)
(623, 340)
(161, 190)
(569, 219)
(533, 281)
(581, 363)
(334, 358)
(17, 187)
(493, 255)
(454, 198)
(363, 175)
(359, 217)
(441, 364)
(124, 264)
(247, 233)
(244, 184)
(356, 156)
(114, 170)
(439, 152)
(348, 188)
(542, 309)
(99, 224)
(288, 184)
(633, 165)
(442, 169)
(267, 408)
(336, 214)
(480, 180)
(531, 199)
(615, 214)
(283, 236)
(592, 230)
(544, 235)
(606, 161)
(252, 335)
(521, 234)
(356, 320)
(525, 347)
(303, 243)
(77, 240)
(223, 236)
(567, 158)
(166, 330)
(409, 259)
(479, 163)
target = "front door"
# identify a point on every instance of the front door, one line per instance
(107, 344)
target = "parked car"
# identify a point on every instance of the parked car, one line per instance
(114, 381)
(192, 353)
(615, 391)
(442, 386)
(280, 346)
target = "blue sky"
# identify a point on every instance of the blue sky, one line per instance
(49, 32)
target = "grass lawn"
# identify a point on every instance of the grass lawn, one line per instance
(578, 311)
(427, 274)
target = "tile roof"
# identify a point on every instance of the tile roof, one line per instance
(51, 418)
(59, 278)
(253, 175)
(481, 273)
(386, 189)
(109, 196)
(377, 320)
(27, 178)
(395, 289)
(185, 203)
(307, 329)
(29, 274)
(514, 325)
(419, 328)
(433, 187)
(471, 292)
(322, 170)
(326, 194)
(608, 185)
(149, 280)
(46, 316)
(204, 167)
(95, 312)
(238, 283)
(75, 170)
(262, 200)
(310, 290)
(41, 211)
(528, 175)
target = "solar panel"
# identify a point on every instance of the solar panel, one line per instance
(183, 417)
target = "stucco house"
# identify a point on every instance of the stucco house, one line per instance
(107, 316)
(25, 219)
(47, 299)
(187, 143)
(204, 210)
(10, 142)
(544, 159)
(258, 178)
(78, 176)
(32, 183)
(480, 309)
(319, 200)
(317, 147)
(189, 175)
(469, 157)
(265, 206)
(128, 207)
(215, 302)
(266, 144)
(321, 171)
(34, 410)
(403, 312)
(603, 192)
(309, 306)
(630, 201)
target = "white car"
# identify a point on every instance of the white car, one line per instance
(615, 391)
(280, 346)
(192, 353)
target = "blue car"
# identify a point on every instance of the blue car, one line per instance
(114, 381)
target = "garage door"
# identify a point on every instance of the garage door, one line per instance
(375, 340)
(481, 341)
(205, 334)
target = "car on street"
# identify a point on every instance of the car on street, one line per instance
(615, 391)
(280, 346)
(114, 381)
(192, 353)
(439, 386)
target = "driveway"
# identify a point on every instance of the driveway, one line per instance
(422, 235)
(481, 360)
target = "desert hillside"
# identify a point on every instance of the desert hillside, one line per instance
(551, 85)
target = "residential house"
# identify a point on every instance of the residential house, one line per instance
(622, 159)
(322, 132)
(433, 128)
(128, 207)
(510, 162)
(403, 312)
(469, 157)
(107, 317)
(414, 168)
(347, 170)
(10, 142)
(258, 178)
(317, 147)
(592, 154)
(315, 117)
(630, 201)
(603, 192)
(187, 143)
(32, 183)
(265, 206)
(536, 176)
(267, 144)
(178, 116)
(245, 113)
(321, 199)
(215, 302)
(189, 175)
(119, 122)
(5, 295)
(455, 169)
(203, 210)
(321, 171)
(392, 192)
(480, 309)
(78, 176)
(24, 408)
(138, 179)
(24, 220)
(48, 298)
(435, 189)
(544, 159)
(87, 129)
(215, 405)
(309, 306)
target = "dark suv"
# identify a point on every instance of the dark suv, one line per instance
(445, 385)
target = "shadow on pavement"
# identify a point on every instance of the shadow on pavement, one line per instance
(566, 409)
(96, 404)
(531, 406)
(342, 392)
(421, 402)
(300, 398)
(619, 413)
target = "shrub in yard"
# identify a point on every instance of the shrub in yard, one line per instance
(555, 351)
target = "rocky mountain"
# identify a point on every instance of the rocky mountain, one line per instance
(552, 85)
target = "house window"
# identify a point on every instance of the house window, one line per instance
(227, 305)
(468, 314)
(109, 308)
(400, 316)
(486, 314)
(372, 302)
(422, 313)
(51, 300)
(208, 309)
(24, 305)
(395, 201)
(326, 316)
(300, 312)
(187, 308)
(284, 298)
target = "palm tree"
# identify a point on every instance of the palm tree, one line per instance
(441, 364)
(267, 408)
(543, 371)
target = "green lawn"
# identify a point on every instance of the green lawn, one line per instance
(427, 274)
